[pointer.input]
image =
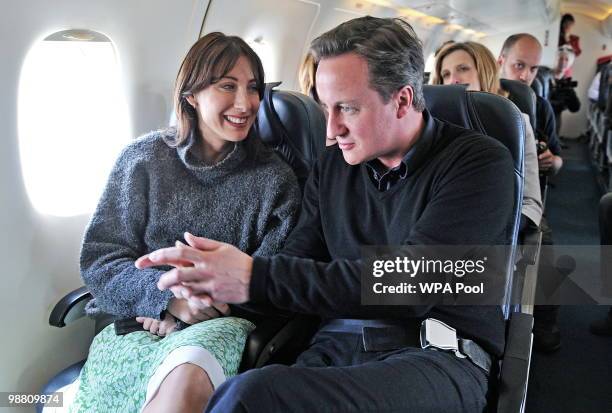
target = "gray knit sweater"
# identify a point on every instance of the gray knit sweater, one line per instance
(155, 193)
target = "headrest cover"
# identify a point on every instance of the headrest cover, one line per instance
(294, 126)
(604, 86)
(523, 97)
(537, 87)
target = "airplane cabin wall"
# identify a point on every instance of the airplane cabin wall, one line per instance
(39, 252)
(547, 35)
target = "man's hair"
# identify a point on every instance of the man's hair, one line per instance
(390, 47)
(511, 41)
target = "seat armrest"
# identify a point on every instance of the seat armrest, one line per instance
(71, 307)
(277, 340)
(530, 248)
(515, 365)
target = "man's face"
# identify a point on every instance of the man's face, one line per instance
(357, 117)
(521, 62)
(563, 62)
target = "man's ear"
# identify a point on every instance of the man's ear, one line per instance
(500, 61)
(404, 98)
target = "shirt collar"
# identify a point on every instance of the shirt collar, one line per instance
(416, 155)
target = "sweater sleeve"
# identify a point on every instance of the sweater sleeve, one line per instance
(114, 240)
(469, 216)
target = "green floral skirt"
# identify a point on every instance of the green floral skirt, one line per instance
(119, 368)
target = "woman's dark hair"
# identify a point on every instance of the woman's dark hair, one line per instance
(208, 60)
(567, 18)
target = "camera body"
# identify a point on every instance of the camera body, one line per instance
(566, 83)
(541, 147)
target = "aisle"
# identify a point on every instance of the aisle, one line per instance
(576, 378)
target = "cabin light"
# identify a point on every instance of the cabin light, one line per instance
(433, 20)
(412, 13)
(383, 3)
(469, 31)
(480, 34)
(453, 27)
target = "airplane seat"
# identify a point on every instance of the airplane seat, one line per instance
(523, 97)
(498, 118)
(489, 114)
(294, 126)
(537, 87)
(604, 86)
(605, 233)
(545, 76)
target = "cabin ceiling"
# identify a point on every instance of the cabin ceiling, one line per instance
(489, 17)
(597, 9)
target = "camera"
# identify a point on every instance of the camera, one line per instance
(541, 147)
(566, 83)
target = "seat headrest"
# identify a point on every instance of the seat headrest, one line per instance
(537, 87)
(545, 76)
(604, 86)
(523, 97)
(497, 117)
(294, 126)
(448, 103)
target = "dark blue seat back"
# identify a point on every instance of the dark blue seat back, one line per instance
(523, 97)
(498, 118)
(537, 87)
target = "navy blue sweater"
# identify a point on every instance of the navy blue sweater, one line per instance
(458, 191)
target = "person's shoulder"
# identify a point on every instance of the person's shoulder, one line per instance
(464, 140)
(150, 146)
(269, 166)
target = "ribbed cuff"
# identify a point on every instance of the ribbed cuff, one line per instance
(259, 279)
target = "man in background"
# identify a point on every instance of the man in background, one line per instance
(519, 60)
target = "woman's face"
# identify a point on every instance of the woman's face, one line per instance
(227, 109)
(458, 67)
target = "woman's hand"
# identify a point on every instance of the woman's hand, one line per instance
(158, 327)
(192, 312)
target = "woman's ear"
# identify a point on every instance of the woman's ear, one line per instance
(404, 99)
(192, 101)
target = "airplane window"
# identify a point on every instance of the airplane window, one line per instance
(72, 119)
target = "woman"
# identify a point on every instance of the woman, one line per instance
(207, 176)
(307, 78)
(565, 34)
(473, 64)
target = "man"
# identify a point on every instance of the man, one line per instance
(519, 59)
(397, 176)
(563, 94)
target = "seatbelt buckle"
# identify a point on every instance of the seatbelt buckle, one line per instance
(438, 335)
